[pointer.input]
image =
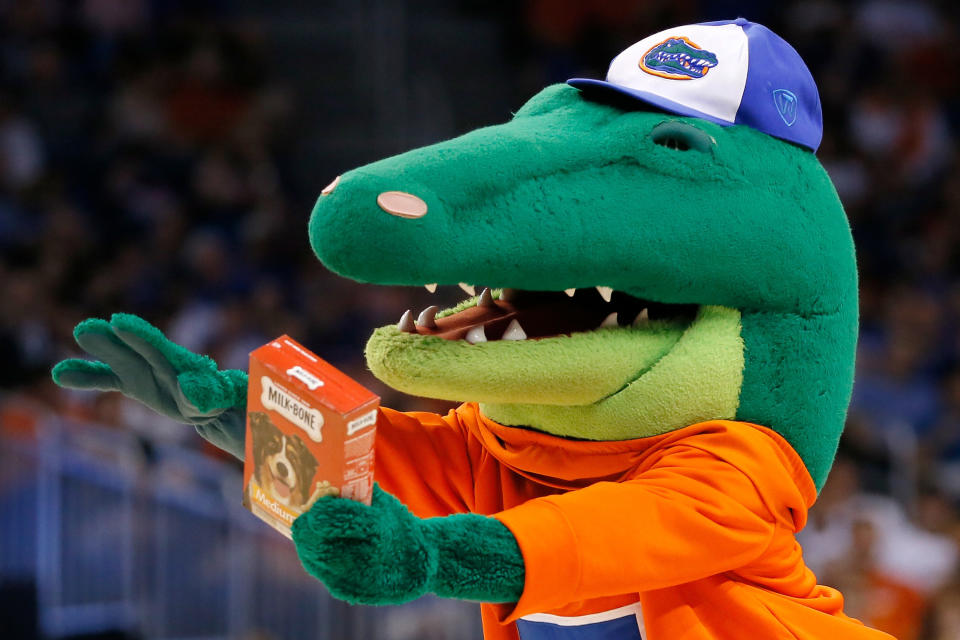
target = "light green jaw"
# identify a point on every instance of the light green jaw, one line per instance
(655, 378)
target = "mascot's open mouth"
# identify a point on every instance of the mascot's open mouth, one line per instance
(515, 314)
(566, 362)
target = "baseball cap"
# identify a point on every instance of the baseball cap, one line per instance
(728, 72)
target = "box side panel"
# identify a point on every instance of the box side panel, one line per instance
(358, 452)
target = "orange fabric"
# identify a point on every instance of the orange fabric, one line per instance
(697, 524)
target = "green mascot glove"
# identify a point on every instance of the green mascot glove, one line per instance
(140, 362)
(383, 554)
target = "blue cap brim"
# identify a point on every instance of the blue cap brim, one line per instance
(650, 98)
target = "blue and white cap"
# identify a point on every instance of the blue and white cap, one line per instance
(728, 72)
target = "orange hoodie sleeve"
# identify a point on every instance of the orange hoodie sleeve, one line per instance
(423, 460)
(693, 510)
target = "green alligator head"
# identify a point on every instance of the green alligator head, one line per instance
(677, 57)
(724, 254)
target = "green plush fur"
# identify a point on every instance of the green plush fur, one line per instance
(574, 192)
(795, 394)
(383, 554)
(477, 558)
(136, 359)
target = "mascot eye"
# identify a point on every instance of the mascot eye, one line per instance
(681, 136)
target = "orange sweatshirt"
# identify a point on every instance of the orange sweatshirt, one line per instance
(692, 530)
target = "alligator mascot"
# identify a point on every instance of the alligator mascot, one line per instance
(654, 385)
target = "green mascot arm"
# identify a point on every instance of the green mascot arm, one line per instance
(136, 359)
(375, 555)
(383, 554)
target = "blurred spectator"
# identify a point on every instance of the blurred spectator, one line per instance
(888, 568)
(21, 149)
(942, 621)
(871, 595)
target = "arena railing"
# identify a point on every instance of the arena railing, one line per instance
(155, 542)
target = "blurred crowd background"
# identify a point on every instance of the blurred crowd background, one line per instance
(161, 157)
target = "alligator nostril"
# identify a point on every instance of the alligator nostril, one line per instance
(327, 190)
(681, 136)
(405, 205)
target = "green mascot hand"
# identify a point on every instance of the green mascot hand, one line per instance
(383, 554)
(136, 359)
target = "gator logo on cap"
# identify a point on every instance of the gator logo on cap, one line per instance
(677, 59)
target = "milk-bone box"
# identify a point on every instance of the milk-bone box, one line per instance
(310, 432)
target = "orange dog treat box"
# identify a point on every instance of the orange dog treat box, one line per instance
(310, 431)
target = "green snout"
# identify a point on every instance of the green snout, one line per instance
(576, 192)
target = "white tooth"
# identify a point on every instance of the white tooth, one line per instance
(432, 288)
(469, 288)
(476, 335)
(570, 292)
(486, 300)
(642, 318)
(610, 321)
(605, 293)
(514, 331)
(406, 322)
(425, 319)
(327, 190)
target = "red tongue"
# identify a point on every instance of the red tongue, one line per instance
(548, 318)
(280, 489)
(543, 314)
